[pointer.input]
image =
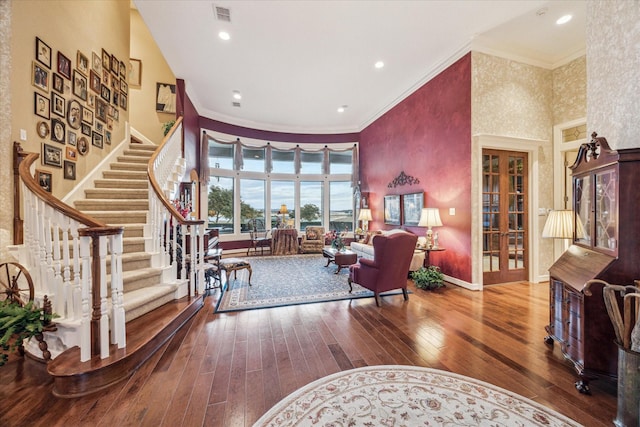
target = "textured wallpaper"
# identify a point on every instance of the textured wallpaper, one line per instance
(6, 145)
(510, 98)
(613, 71)
(514, 99)
(570, 91)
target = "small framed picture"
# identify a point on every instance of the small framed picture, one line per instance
(58, 131)
(74, 114)
(123, 101)
(51, 156)
(101, 110)
(82, 63)
(40, 77)
(57, 104)
(99, 126)
(123, 69)
(116, 98)
(392, 209)
(105, 93)
(412, 205)
(124, 87)
(83, 145)
(64, 65)
(87, 116)
(72, 138)
(115, 65)
(70, 153)
(69, 170)
(42, 128)
(79, 85)
(85, 129)
(96, 63)
(58, 83)
(107, 137)
(106, 60)
(165, 98)
(135, 72)
(44, 179)
(94, 81)
(109, 123)
(41, 105)
(96, 139)
(43, 53)
(91, 100)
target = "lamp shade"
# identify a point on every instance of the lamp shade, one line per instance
(430, 217)
(559, 225)
(283, 209)
(365, 215)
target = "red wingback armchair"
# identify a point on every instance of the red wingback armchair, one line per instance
(389, 268)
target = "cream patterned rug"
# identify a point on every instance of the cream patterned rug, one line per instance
(289, 280)
(394, 396)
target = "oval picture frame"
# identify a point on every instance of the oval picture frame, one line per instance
(74, 114)
(83, 145)
(42, 129)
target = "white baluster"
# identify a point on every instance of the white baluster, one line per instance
(85, 323)
(77, 281)
(104, 314)
(118, 330)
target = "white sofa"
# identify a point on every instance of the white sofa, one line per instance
(365, 250)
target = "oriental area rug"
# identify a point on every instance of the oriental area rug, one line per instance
(289, 280)
(407, 396)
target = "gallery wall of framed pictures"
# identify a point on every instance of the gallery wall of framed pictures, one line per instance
(78, 98)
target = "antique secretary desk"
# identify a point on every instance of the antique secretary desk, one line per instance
(606, 246)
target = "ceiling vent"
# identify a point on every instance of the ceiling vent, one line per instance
(236, 104)
(222, 13)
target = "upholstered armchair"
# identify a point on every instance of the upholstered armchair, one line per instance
(390, 266)
(312, 240)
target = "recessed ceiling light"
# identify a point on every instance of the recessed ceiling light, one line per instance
(342, 109)
(236, 95)
(564, 19)
(379, 64)
(224, 35)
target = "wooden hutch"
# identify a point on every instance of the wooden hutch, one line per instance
(606, 246)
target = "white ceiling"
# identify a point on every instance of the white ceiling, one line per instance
(296, 62)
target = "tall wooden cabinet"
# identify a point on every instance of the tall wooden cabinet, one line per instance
(606, 246)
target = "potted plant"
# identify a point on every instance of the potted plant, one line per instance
(166, 127)
(19, 323)
(428, 278)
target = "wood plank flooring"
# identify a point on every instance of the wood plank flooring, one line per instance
(228, 369)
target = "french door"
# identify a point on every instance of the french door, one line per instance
(504, 216)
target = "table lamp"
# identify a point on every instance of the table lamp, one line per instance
(430, 217)
(283, 211)
(365, 217)
(559, 225)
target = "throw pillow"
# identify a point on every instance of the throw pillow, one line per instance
(311, 235)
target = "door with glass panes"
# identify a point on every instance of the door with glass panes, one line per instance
(504, 216)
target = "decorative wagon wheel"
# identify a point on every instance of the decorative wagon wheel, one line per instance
(15, 283)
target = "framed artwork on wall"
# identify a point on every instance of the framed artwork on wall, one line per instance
(412, 205)
(64, 65)
(44, 179)
(43, 53)
(74, 114)
(41, 106)
(135, 72)
(82, 63)
(165, 98)
(392, 209)
(58, 104)
(83, 145)
(58, 133)
(69, 170)
(40, 77)
(79, 85)
(58, 83)
(51, 156)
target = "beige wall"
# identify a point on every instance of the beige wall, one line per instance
(68, 27)
(613, 71)
(570, 91)
(155, 69)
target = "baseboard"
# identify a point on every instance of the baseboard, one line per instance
(462, 283)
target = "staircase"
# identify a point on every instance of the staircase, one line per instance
(121, 198)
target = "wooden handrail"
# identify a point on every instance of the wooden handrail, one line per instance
(33, 185)
(156, 187)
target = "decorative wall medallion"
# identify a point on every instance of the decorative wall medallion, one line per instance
(403, 179)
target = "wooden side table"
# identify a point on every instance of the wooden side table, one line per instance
(427, 251)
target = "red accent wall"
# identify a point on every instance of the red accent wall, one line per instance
(190, 128)
(428, 136)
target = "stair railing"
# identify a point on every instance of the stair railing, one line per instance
(66, 253)
(178, 240)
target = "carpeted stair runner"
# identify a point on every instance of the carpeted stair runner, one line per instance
(121, 198)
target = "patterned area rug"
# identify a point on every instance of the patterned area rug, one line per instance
(289, 280)
(406, 396)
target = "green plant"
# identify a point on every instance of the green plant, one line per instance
(18, 323)
(166, 127)
(428, 278)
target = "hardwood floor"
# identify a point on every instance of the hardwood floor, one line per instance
(228, 369)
